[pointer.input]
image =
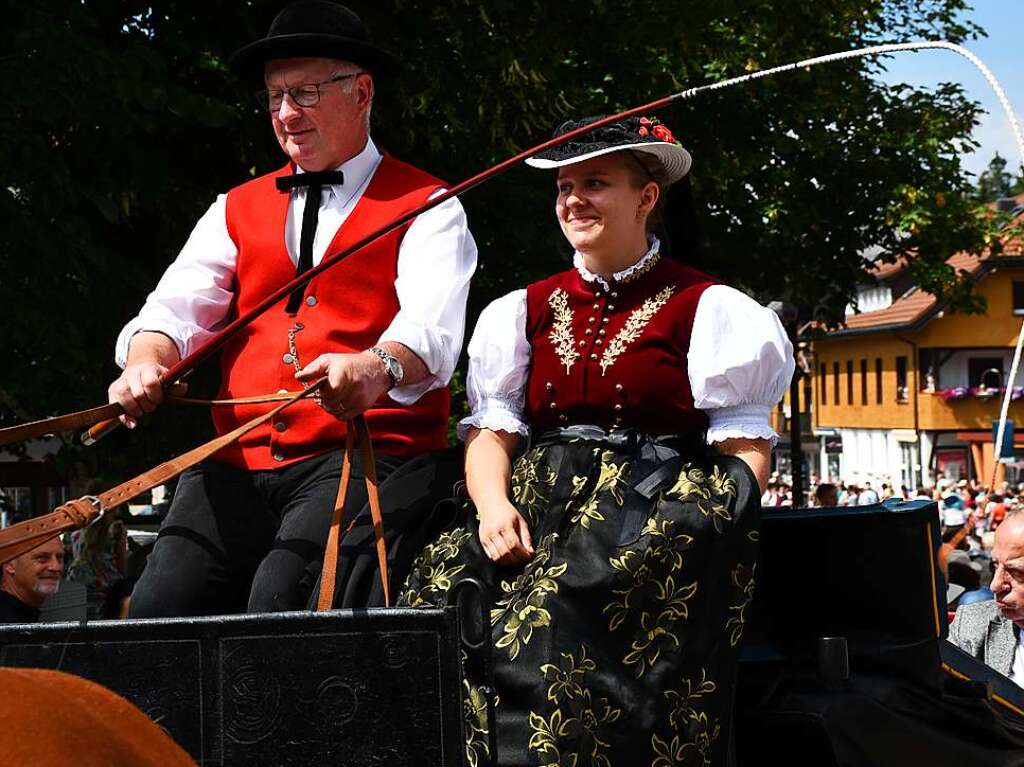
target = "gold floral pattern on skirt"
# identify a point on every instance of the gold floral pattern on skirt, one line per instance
(523, 607)
(611, 479)
(431, 572)
(711, 493)
(742, 578)
(474, 709)
(579, 723)
(532, 481)
(616, 644)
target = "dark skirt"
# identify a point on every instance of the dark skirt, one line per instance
(616, 644)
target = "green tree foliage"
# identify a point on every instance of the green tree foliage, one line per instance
(123, 125)
(996, 182)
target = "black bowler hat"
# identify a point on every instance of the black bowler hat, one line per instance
(317, 29)
(639, 134)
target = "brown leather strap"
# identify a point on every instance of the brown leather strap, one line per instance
(258, 399)
(102, 428)
(370, 469)
(329, 573)
(24, 536)
(26, 431)
(356, 432)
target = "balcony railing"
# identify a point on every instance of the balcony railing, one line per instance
(963, 410)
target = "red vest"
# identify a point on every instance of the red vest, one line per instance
(345, 309)
(614, 358)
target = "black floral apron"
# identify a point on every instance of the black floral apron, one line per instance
(616, 644)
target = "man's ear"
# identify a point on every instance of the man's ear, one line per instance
(365, 88)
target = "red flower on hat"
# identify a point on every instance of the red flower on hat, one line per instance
(664, 134)
(649, 126)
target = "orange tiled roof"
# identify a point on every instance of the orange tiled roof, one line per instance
(885, 271)
(912, 305)
(915, 304)
(1015, 247)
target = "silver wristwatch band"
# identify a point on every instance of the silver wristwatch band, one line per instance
(391, 365)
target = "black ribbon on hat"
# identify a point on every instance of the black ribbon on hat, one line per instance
(310, 178)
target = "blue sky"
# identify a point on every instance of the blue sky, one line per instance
(1003, 53)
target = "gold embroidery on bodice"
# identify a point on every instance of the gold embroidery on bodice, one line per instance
(562, 338)
(634, 326)
(561, 330)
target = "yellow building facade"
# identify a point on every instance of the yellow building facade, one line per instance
(908, 390)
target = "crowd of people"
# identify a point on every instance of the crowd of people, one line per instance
(958, 499)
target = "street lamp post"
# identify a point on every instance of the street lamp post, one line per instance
(789, 315)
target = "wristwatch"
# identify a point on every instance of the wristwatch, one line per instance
(391, 364)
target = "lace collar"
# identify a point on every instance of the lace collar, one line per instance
(647, 262)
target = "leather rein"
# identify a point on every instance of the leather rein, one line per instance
(25, 536)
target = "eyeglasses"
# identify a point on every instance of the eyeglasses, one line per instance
(307, 95)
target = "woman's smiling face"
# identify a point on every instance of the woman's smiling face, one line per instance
(599, 204)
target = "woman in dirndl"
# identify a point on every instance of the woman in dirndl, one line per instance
(616, 452)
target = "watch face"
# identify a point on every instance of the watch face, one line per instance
(395, 369)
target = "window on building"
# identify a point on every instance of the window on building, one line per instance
(878, 380)
(985, 371)
(835, 383)
(849, 382)
(902, 393)
(863, 382)
(929, 361)
(823, 384)
(1018, 298)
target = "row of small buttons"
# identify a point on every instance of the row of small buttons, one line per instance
(592, 320)
(553, 405)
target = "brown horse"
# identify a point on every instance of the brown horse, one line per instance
(53, 719)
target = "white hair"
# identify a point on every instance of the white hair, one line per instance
(349, 84)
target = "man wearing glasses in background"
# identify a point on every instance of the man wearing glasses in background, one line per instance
(247, 529)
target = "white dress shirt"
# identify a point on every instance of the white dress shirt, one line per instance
(739, 362)
(436, 259)
(1017, 669)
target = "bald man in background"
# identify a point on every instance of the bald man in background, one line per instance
(991, 630)
(28, 580)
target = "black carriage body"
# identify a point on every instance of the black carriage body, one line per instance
(846, 662)
(378, 687)
(382, 687)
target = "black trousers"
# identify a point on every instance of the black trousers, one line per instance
(236, 540)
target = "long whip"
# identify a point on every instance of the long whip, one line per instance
(189, 363)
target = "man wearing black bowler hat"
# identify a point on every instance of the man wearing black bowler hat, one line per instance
(247, 528)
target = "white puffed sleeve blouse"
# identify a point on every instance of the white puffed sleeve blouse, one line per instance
(740, 362)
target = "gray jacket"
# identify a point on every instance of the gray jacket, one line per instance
(980, 629)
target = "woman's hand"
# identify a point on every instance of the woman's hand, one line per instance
(505, 535)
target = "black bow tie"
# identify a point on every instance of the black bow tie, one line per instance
(312, 178)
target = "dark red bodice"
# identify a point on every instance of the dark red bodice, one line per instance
(614, 358)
